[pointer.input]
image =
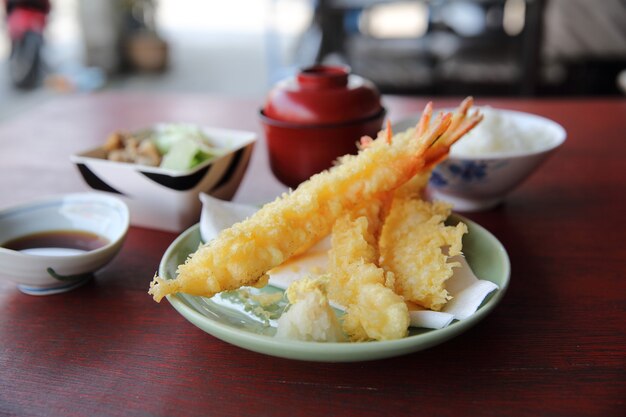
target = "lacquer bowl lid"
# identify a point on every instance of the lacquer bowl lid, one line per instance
(322, 95)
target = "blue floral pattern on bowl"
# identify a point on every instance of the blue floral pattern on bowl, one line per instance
(463, 172)
(469, 170)
(437, 179)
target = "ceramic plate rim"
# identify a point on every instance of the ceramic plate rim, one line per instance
(332, 352)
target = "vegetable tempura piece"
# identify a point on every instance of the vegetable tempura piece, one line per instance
(242, 254)
(378, 313)
(310, 316)
(411, 247)
(373, 311)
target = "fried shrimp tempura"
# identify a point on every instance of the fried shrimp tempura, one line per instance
(373, 310)
(242, 254)
(411, 247)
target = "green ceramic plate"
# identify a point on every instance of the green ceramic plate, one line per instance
(231, 323)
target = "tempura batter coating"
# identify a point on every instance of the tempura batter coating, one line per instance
(378, 313)
(373, 310)
(242, 254)
(411, 247)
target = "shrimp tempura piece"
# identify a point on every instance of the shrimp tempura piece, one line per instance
(411, 247)
(373, 310)
(414, 232)
(242, 254)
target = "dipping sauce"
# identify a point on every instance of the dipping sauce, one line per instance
(57, 242)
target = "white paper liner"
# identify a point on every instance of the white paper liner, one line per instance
(467, 291)
(218, 215)
(428, 319)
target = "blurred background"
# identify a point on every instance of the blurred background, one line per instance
(242, 47)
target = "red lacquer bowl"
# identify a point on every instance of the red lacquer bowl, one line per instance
(312, 119)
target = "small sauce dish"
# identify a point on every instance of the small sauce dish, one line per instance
(54, 245)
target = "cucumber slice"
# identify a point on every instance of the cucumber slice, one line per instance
(181, 156)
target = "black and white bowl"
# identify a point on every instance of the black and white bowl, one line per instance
(165, 199)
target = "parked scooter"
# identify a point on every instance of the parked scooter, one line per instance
(26, 21)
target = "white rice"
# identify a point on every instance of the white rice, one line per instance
(502, 132)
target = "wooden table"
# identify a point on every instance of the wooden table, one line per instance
(555, 346)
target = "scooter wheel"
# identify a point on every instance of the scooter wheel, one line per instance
(25, 60)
